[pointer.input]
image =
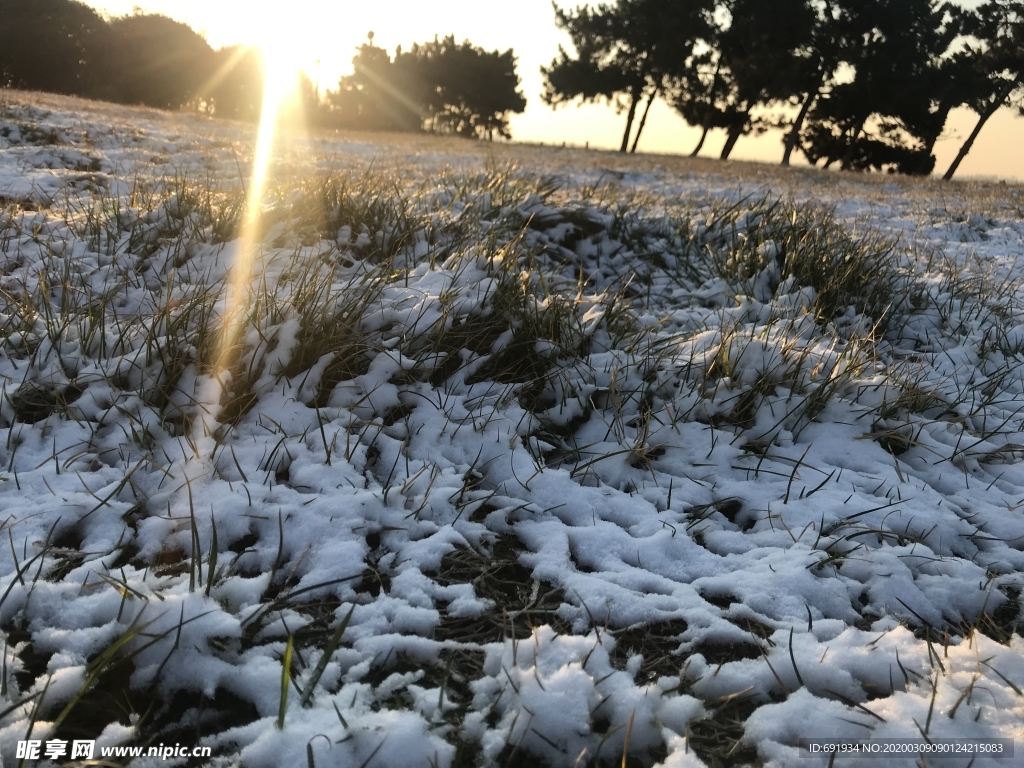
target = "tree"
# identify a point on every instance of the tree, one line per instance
(889, 115)
(235, 88)
(444, 85)
(600, 71)
(51, 45)
(753, 60)
(465, 89)
(995, 66)
(833, 34)
(374, 96)
(162, 63)
(624, 53)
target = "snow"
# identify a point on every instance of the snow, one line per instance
(848, 575)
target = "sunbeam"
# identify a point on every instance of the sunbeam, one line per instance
(280, 78)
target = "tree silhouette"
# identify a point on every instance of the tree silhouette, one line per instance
(754, 60)
(378, 95)
(994, 66)
(450, 87)
(234, 89)
(834, 32)
(890, 114)
(597, 72)
(52, 45)
(471, 91)
(161, 62)
(624, 52)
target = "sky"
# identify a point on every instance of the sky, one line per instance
(323, 35)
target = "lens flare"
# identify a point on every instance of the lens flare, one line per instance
(280, 78)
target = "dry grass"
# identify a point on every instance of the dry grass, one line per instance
(527, 342)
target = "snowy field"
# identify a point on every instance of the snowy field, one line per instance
(500, 456)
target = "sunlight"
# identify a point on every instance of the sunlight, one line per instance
(280, 52)
(282, 62)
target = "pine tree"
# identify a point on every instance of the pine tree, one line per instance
(625, 54)
(442, 85)
(994, 64)
(889, 114)
(754, 61)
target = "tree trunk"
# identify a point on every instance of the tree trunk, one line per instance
(982, 119)
(700, 144)
(944, 110)
(848, 155)
(734, 135)
(634, 100)
(707, 114)
(643, 120)
(793, 137)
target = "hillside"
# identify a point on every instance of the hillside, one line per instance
(473, 455)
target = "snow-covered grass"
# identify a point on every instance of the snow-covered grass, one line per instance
(557, 462)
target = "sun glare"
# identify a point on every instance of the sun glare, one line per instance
(280, 51)
(281, 64)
